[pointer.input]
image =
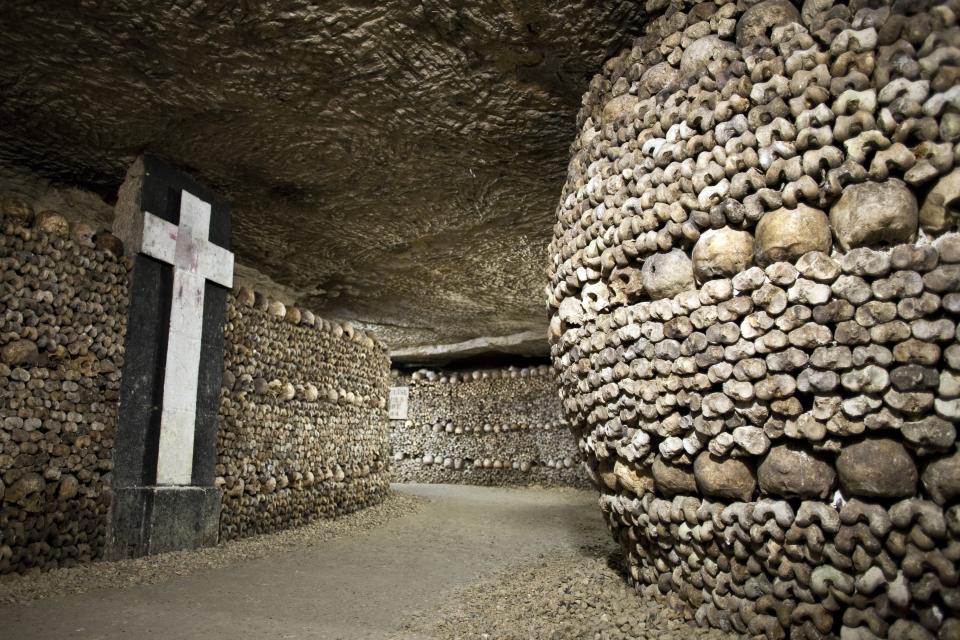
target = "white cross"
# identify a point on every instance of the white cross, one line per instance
(195, 259)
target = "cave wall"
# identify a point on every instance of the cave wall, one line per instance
(288, 109)
(501, 426)
(754, 295)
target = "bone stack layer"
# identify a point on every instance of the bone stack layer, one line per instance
(63, 309)
(303, 426)
(489, 427)
(303, 423)
(754, 295)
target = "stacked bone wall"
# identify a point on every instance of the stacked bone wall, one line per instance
(489, 427)
(303, 424)
(63, 305)
(755, 289)
(303, 429)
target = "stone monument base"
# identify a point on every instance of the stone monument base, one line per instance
(150, 520)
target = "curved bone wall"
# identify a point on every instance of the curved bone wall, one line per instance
(490, 427)
(754, 295)
(303, 422)
(63, 312)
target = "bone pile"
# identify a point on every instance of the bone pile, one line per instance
(488, 427)
(63, 303)
(303, 424)
(754, 293)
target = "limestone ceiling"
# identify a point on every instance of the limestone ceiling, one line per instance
(392, 162)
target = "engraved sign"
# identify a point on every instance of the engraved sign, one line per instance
(399, 396)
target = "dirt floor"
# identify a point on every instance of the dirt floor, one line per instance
(438, 561)
(567, 595)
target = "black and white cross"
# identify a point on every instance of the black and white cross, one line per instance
(177, 232)
(195, 260)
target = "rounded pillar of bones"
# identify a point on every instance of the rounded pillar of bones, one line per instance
(803, 158)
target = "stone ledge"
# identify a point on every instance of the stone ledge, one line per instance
(525, 343)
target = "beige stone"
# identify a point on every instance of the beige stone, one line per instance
(635, 479)
(787, 234)
(27, 485)
(83, 234)
(19, 352)
(755, 26)
(794, 471)
(53, 223)
(873, 214)
(619, 108)
(106, 241)
(607, 475)
(701, 52)
(941, 478)
(69, 486)
(16, 208)
(673, 479)
(730, 478)
(667, 274)
(721, 253)
(941, 208)
(877, 468)
(659, 77)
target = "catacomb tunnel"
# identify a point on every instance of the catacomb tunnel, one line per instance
(482, 320)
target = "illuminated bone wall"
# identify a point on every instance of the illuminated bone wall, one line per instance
(754, 294)
(499, 426)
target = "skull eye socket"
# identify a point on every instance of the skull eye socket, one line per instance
(953, 206)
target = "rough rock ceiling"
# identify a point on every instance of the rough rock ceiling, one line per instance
(396, 162)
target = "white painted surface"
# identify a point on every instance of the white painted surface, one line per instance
(399, 401)
(195, 260)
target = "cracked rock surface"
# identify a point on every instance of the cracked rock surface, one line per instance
(394, 163)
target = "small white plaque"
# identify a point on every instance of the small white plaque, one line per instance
(399, 397)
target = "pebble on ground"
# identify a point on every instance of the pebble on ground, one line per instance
(574, 596)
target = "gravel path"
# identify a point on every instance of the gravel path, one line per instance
(360, 585)
(570, 596)
(156, 569)
(433, 562)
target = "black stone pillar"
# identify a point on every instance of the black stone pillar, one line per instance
(145, 518)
